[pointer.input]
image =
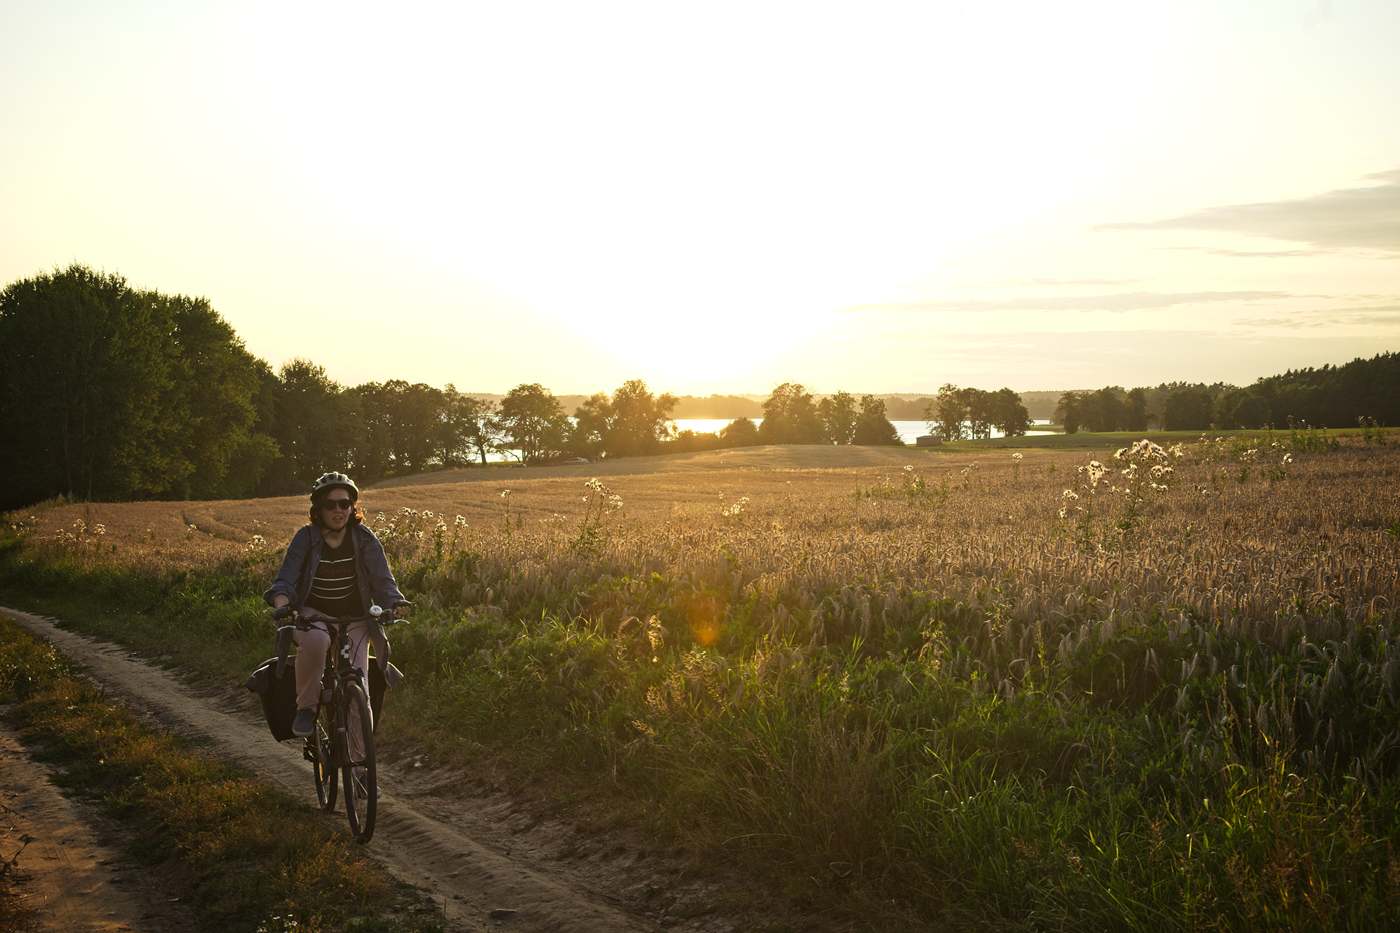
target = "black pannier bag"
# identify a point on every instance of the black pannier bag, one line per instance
(277, 694)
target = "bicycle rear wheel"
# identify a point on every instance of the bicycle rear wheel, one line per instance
(323, 767)
(358, 773)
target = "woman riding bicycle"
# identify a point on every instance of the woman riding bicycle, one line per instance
(335, 567)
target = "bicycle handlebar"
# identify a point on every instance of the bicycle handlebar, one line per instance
(376, 615)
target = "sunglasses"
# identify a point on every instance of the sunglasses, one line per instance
(335, 505)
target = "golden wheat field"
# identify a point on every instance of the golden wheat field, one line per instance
(1234, 533)
(1138, 683)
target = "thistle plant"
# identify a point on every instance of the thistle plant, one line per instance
(1077, 502)
(80, 534)
(735, 508)
(1139, 472)
(1145, 470)
(22, 526)
(599, 502)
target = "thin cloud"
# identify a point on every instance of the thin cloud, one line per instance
(1372, 316)
(1078, 281)
(1345, 218)
(1252, 254)
(1294, 322)
(1121, 301)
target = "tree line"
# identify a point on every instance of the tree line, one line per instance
(113, 392)
(1325, 396)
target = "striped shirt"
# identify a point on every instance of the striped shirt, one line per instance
(333, 589)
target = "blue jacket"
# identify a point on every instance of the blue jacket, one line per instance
(372, 573)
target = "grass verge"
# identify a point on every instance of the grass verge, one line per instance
(252, 857)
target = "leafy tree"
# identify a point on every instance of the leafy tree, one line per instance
(1135, 411)
(741, 432)
(1189, 407)
(1105, 409)
(638, 421)
(217, 383)
(791, 417)
(367, 417)
(1069, 411)
(1335, 396)
(533, 423)
(457, 423)
(839, 417)
(312, 426)
(591, 423)
(1241, 408)
(631, 423)
(1009, 415)
(108, 392)
(414, 417)
(872, 428)
(948, 413)
(478, 421)
(981, 412)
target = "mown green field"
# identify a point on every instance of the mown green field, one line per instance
(993, 691)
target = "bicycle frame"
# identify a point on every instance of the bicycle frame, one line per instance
(328, 748)
(339, 671)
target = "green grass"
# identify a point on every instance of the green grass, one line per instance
(251, 857)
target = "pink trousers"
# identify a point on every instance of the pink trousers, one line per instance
(312, 646)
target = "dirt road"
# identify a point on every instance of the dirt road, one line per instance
(489, 864)
(71, 879)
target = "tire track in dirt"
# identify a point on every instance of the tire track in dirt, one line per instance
(72, 880)
(470, 879)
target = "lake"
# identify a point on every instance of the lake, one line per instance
(909, 431)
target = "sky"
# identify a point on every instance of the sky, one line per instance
(719, 197)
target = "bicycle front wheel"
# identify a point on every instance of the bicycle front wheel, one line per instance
(358, 773)
(323, 768)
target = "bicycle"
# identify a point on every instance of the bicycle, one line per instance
(343, 692)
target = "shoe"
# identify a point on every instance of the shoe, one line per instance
(305, 722)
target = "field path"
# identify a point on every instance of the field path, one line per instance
(70, 877)
(479, 886)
